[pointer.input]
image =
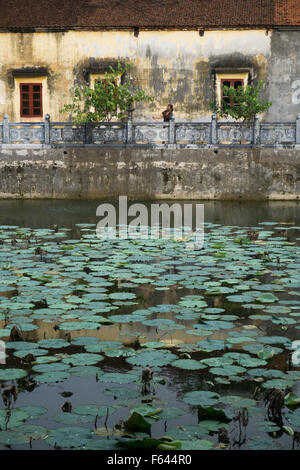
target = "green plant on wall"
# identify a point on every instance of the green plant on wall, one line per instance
(241, 102)
(109, 98)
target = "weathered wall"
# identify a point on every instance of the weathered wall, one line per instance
(283, 85)
(150, 173)
(173, 66)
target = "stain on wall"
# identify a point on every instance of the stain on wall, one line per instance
(284, 72)
(95, 173)
(177, 67)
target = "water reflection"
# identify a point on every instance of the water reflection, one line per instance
(35, 214)
(65, 213)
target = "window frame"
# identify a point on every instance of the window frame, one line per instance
(221, 73)
(232, 81)
(93, 77)
(31, 100)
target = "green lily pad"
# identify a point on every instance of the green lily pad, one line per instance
(102, 444)
(188, 433)
(202, 398)
(137, 422)
(54, 367)
(12, 374)
(199, 444)
(52, 377)
(292, 401)
(94, 410)
(121, 392)
(227, 370)
(152, 358)
(188, 364)
(122, 296)
(171, 413)
(146, 410)
(69, 437)
(53, 343)
(32, 431)
(210, 345)
(82, 359)
(211, 413)
(10, 419)
(68, 418)
(153, 344)
(34, 411)
(11, 438)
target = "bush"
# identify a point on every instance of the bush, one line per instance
(247, 102)
(109, 99)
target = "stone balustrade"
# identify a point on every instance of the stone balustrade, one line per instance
(129, 133)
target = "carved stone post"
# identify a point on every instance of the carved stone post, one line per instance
(298, 130)
(256, 130)
(129, 127)
(5, 129)
(171, 130)
(213, 134)
(47, 130)
(88, 133)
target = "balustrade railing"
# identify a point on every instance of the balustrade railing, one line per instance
(171, 134)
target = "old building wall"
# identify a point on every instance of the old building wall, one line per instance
(180, 67)
(283, 83)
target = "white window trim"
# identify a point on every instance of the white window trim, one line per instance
(16, 98)
(223, 76)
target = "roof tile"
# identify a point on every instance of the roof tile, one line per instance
(107, 14)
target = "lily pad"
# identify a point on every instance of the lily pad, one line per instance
(12, 374)
(84, 359)
(152, 358)
(137, 422)
(188, 364)
(69, 437)
(199, 444)
(10, 419)
(202, 398)
(94, 410)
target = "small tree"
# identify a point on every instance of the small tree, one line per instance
(109, 99)
(242, 102)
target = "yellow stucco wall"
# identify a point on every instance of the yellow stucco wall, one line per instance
(172, 66)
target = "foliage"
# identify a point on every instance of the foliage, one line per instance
(109, 99)
(247, 102)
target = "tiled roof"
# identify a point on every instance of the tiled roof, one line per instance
(108, 14)
(287, 12)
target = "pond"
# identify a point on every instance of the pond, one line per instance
(213, 332)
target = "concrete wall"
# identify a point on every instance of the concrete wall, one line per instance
(95, 173)
(173, 66)
(283, 83)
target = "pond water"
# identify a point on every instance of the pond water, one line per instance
(219, 327)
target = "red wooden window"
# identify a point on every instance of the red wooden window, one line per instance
(31, 100)
(230, 82)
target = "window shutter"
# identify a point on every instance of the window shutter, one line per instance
(31, 100)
